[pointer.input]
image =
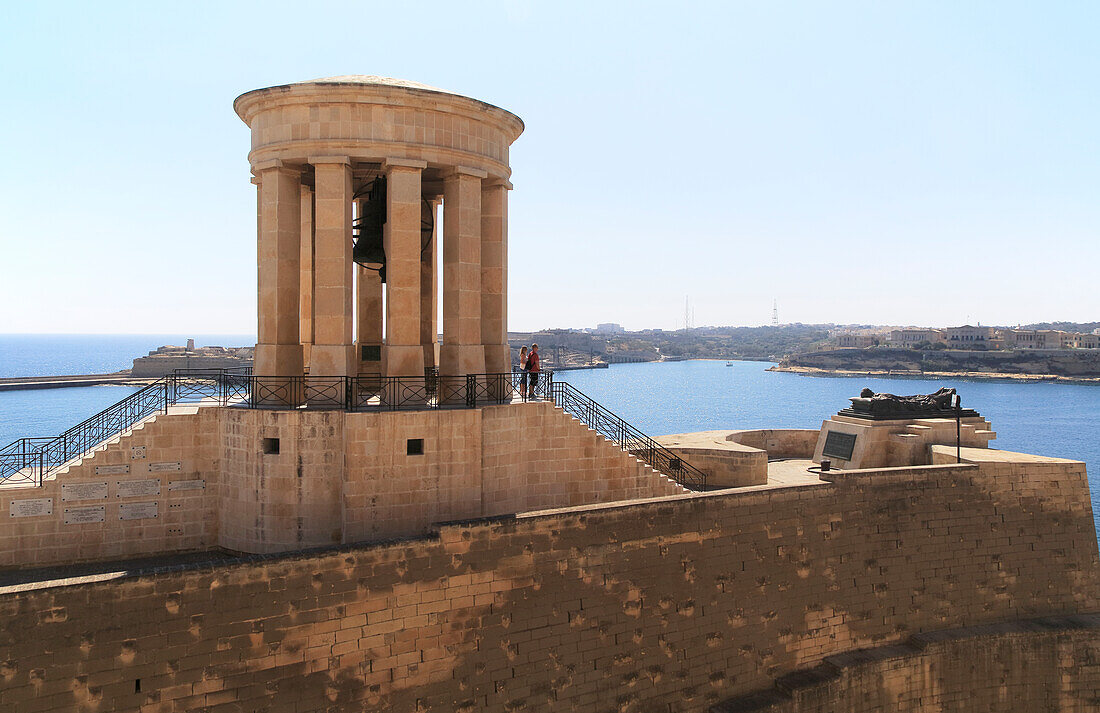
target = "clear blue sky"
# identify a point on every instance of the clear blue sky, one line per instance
(878, 162)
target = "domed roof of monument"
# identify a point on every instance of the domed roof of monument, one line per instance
(248, 99)
(375, 80)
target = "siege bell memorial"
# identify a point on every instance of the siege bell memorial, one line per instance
(351, 174)
(369, 521)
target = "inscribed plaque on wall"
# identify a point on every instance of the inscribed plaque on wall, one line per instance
(163, 467)
(137, 488)
(187, 485)
(32, 507)
(137, 511)
(84, 491)
(839, 445)
(137, 453)
(112, 469)
(85, 514)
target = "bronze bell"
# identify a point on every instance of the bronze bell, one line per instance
(369, 249)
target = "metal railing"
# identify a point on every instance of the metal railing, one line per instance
(614, 428)
(29, 460)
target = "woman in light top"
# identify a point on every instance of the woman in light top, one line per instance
(523, 369)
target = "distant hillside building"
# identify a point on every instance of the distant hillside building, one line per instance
(856, 341)
(912, 337)
(609, 328)
(1086, 341)
(1036, 339)
(966, 335)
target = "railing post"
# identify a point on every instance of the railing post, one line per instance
(349, 382)
(471, 390)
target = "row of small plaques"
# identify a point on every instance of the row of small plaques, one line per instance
(36, 507)
(124, 469)
(82, 514)
(98, 491)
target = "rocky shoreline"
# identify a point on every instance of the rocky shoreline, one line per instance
(914, 374)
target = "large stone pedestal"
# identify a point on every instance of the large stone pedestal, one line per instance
(851, 442)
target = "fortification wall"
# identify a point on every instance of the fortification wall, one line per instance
(337, 477)
(671, 604)
(1033, 665)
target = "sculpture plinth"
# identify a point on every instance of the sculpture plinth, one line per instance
(886, 430)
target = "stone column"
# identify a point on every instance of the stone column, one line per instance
(429, 285)
(333, 353)
(494, 275)
(404, 354)
(305, 318)
(279, 349)
(462, 352)
(369, 307)
(370, 317)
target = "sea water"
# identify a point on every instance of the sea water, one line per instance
(1044, 418)
(1052, 419)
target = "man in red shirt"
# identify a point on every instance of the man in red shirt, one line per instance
(533, 370)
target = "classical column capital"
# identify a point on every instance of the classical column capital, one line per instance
(497, 182)
(465, 171)
(392, 163)
(344, 160)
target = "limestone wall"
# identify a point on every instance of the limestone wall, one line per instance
(671, 604)
(1033, 665)
(337, 478)
(165, 460)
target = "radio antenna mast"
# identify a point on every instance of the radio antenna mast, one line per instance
(775, 313)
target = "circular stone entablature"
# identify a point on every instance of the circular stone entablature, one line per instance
(371, 119)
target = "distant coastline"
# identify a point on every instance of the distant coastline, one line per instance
(906, 374)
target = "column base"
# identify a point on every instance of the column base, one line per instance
(277, 360)
(431, 355)
(333, 360)
(403, 360)
(498, 359)
(370, 364)
(461, 359)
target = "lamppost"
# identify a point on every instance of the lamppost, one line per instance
(957, 404)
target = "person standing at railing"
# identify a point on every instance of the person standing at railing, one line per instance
(523, 372)
(533, 371)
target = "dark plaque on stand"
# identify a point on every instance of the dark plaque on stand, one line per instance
(839, 445)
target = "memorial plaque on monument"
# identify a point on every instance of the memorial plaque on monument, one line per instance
(187, 485)
(85, 514)
(137, 488)
(839, 445)
(32, 508)
(112, 469)
(137, 511)
(137, 453)
(84, 491)
(164, 467)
